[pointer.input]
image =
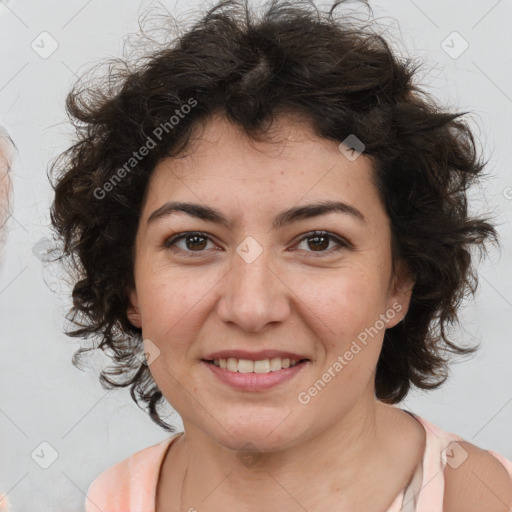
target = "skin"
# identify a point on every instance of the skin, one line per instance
(5, 163)
(355, 451)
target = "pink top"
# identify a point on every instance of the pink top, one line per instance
(130, 485)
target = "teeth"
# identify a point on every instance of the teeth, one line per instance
(247, 366)
(262, 366)
(232, 364)
(244, 365)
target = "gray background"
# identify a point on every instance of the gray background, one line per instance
(45, 399)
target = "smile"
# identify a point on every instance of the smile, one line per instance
(255, 376)
(262, 366)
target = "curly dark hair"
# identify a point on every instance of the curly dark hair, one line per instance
(340, 75)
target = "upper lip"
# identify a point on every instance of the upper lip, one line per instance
(253, 356)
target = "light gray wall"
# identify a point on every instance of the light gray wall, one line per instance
(44, 398)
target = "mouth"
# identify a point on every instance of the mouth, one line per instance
(256, 375)
(274, 364)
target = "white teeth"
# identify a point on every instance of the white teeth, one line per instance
(275, 364)
(247, 366)
(262, 366)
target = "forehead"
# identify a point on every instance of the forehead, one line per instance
(291, 156)
(252, 182)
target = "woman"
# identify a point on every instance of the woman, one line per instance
(6, 150)
(5, 182)
(270, 231)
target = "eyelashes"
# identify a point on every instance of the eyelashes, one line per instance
(171, 242)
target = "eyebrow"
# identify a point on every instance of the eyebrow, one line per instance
(281, 219)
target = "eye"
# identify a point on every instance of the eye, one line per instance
(196, 241)
(321, 240)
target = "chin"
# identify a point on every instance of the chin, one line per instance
(261, 434)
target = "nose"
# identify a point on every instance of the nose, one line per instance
(253, 294)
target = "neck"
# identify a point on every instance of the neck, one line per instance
(336, 460)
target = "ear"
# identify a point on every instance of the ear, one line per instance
(400, 293)
(133, 312)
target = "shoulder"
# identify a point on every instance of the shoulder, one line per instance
(128, 480)
(478, 482)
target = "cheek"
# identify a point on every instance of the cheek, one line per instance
(344, 301)
(170, 305)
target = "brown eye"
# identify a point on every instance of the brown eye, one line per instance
(319, 241)
(194, 241)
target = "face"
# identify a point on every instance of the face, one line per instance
(5, 159)
(257, 284)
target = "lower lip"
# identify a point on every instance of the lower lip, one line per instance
(255, 381)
